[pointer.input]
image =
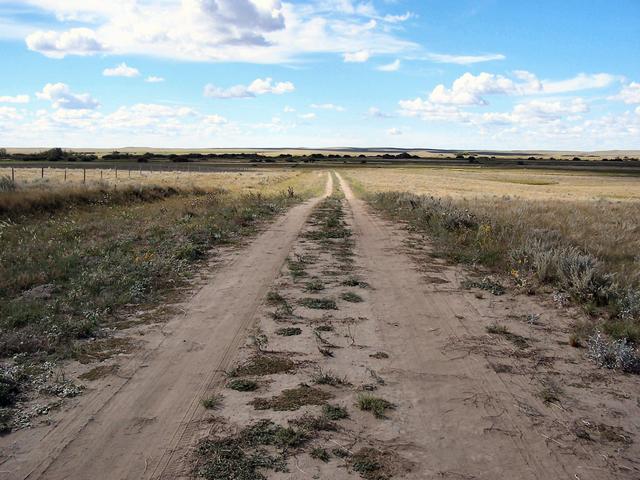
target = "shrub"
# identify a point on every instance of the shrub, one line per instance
(613, 354)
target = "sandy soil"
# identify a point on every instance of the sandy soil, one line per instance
(468, 404)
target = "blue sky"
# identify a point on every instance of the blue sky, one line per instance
(463, 74)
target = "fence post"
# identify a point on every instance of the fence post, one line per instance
(13, 175)
(116, 173)
(65, 174)
(42, 172)
(84, 175)
(100, 174)
(129, 172)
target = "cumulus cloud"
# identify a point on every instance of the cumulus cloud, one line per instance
(629, 94)
(154, 79)
(307, 116)
(76, 41)
(260, 86)
(470, 89)
(14, 99)
(259, 31)
(394, 131)
(327, 106)
(9, 113)
(122, 70)
(360, 56)
(60, 96)
(390, 67)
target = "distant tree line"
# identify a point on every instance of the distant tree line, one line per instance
(51, 155)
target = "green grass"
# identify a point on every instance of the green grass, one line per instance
(319, 303)
(212, 402)
(242, 385)
(376, 405)
(351, 297)
(334, 412)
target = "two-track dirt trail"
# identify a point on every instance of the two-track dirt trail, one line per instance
(138, 426)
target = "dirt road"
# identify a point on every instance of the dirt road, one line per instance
(356, 306)
(137, 425)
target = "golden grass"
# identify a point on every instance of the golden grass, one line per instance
(471, 183)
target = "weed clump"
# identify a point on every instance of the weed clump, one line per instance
(315, 285)
(246, 455)
(242, 385)
(288, 331)
(263, 364)
(334, 412)
(319, 303)
(292, 399)
(355, 282)
(212, 402)
(374, 464)
(320, 454)
(321, 377)
(497, 329)
(351, 297)
(376, 405)
(485, 284)
(613, 354)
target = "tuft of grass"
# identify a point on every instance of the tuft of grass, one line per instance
(319, 303)
(324, 328)
(315, 285)
(334, 412)
(355, 282)
(320, 454)
(242, 385)
(263, 364)
(497, 329)
(292, 399)
(374, 464)
(296, 269)
(212, 402)
(321, 377)
(274, 298)
(550, 393)
(376, 405)
(485, 284)
(351, 297)
(311, 424)
(288, 331)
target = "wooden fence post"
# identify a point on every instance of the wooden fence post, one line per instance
(13, 175)
(116, 173)
(42, 172)
(100, 174)
(65, 174)
(84, 175)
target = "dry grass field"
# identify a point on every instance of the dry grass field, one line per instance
(473, 183)
(272, 324)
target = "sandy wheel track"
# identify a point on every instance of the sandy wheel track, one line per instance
(140, 425)
(456, 417)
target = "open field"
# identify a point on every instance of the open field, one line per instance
(272, 324)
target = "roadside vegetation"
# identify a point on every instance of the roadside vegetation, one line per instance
(80, 264)
(586, 251)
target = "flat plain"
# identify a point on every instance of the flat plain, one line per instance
(347, 322)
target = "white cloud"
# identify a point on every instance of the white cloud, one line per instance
(260, 86)
(375, 112)
(14, 99)
(258, 31)
(154, 79)
(471, 89)
(308, 116)
(398, 18)
(581, 81)
(390, 67)
(629, 94)
(76, 41)
(9, 113)
(394, 131)
(463, 59)
(327, 106)
(60, 96)
(122, 70)
(288, 109)
(360, 56)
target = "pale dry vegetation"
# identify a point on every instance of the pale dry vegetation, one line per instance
(587, 249)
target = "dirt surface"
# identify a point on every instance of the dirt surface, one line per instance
(333, 308)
